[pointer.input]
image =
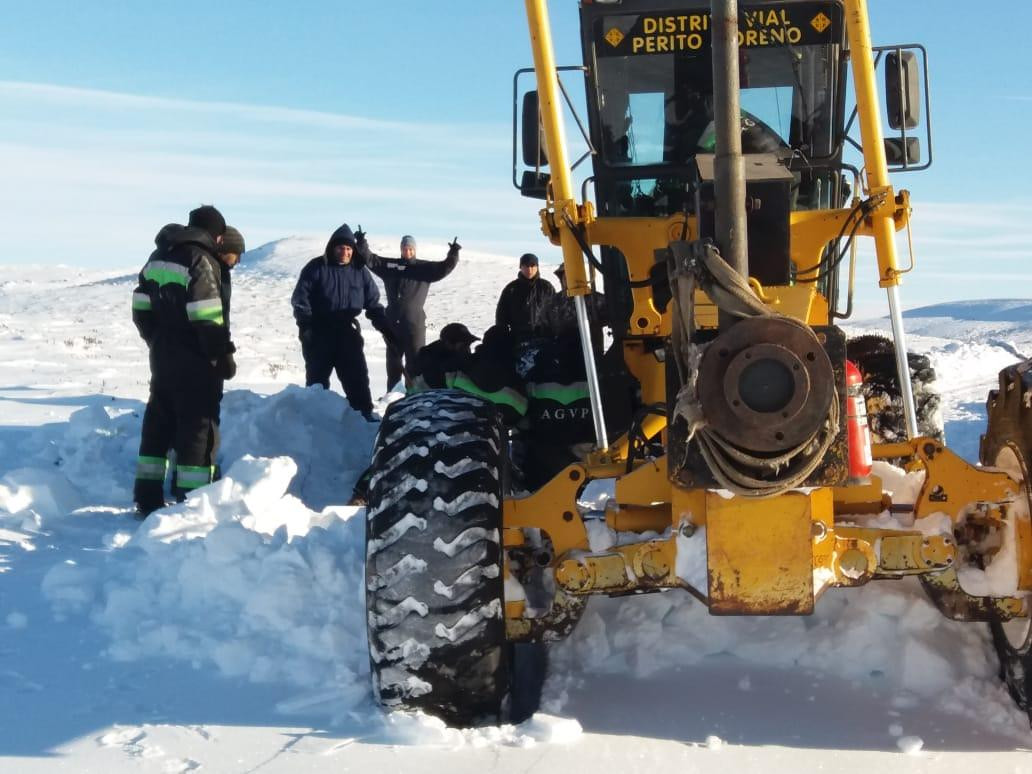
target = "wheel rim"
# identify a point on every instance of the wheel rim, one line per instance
(1017, 631)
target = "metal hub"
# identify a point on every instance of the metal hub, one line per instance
(766, 384)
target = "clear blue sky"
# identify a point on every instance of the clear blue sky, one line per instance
(116, 117)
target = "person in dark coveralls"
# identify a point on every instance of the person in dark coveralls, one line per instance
(332, 291)
(520, 305)
(181, 309)
(406, 280)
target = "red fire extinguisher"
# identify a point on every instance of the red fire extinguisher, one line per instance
(859, 432)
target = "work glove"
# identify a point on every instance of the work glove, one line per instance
(453, 248)
(306, 334)
(225, 366)
(361, 246)
(390, 334)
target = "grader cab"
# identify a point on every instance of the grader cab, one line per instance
(730, 426)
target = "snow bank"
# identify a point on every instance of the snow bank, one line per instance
(243, 576)
(260, 576)
(884, 630)
(90, 459)
(259, 586)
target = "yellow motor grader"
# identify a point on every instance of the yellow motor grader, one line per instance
(725, 423)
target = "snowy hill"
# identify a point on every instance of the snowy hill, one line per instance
(227, 634)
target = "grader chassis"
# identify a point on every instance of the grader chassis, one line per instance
(738, 447)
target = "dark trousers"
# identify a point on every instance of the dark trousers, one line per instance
(339, 349)
(413, 338)
(182, 416)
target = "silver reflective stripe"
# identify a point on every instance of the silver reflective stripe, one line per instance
(209, 309)
(151, 468)
(191, 477)
(141, 301)
(166, 272)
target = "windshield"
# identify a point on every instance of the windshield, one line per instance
(654, 81)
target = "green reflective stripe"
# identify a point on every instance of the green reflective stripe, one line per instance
(208, 310)
(560, 393)
(418, 385)
(151, 468)
(504, 397)
(141, 302)
(166, 273)
(193, 476)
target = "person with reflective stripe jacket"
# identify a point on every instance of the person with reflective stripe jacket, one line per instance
(437, 363)
(406, 281)
(181, 309)
(332, 291)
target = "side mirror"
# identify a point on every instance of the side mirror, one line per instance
(902, 153)
(534, 154)
(902, 90)
(534, 185)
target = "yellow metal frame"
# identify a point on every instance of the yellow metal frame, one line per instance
(765, 557)
(775, 555)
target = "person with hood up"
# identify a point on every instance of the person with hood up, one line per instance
(521, 303)
(406, 280)
(181, 309)
(332, 291)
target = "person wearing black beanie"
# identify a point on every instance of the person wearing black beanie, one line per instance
(231, 247)
(521, 305)
(183, 279)
(209, 219)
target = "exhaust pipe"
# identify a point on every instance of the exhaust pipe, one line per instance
(729, 165)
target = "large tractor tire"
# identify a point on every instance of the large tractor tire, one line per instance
(1006, 445)
(875, 357)
(434, 586)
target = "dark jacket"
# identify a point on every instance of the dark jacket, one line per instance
(559, 405)
(491, 374)
(435, 366)
(181, 303)
(329, 294)
(521, 306)
(558, 315)
(226, 294)
(407, 283)
(488, 373)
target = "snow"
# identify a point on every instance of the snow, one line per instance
(691, 557)
(911, 745)
(227, 633)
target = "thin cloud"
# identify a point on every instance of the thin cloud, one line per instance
(111, 168)
(98, 100)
